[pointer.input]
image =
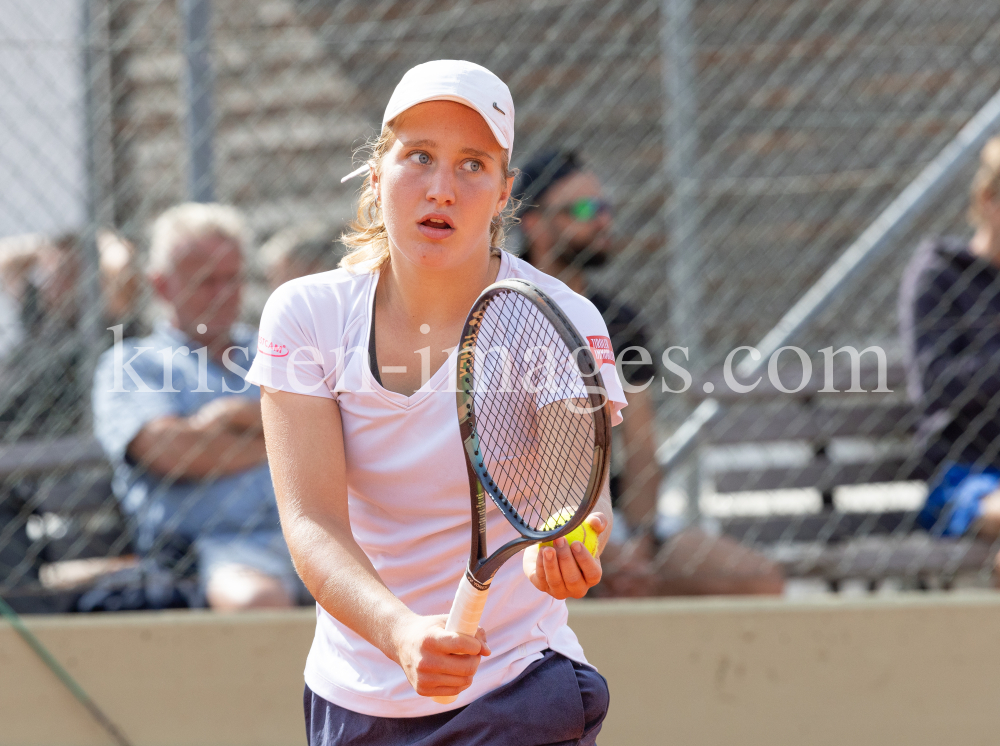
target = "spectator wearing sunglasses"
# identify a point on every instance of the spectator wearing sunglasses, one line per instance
(566, 224)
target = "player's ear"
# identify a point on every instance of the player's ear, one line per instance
(505, 195)
(376, 185)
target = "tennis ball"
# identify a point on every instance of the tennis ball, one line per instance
(582, 533)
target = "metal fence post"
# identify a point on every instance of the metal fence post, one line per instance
(96, 52)
(890, 224)
(681, 146)
(197, 20)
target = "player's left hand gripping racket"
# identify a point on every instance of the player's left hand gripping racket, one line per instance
(533, 414)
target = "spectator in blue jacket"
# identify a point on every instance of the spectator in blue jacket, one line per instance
(183, 428)
(950, 323)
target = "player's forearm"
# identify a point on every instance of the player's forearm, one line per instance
(306, 452)
(344, 582)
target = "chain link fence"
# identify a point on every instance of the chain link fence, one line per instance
(744, 146)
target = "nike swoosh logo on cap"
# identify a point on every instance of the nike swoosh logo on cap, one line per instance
(499, 109)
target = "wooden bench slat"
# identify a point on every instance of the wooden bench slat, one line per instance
(31, 458)
(766, 391)
(828, 526)
(76, 489)
(41, 601)
(73, 496)
(797, 422)
(875, 559)
(820, 473)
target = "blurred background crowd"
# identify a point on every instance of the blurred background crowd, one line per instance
(693, 167)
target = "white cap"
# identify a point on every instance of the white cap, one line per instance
(455, 80)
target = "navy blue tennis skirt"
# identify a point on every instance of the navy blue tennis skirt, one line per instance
(554, 702)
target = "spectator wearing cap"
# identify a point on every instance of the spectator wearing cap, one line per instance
(182, 426)
(299, 251)
(566, 223)
(949, 311)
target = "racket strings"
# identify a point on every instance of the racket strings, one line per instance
(536, 433)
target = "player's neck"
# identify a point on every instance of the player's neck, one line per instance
(436, 296)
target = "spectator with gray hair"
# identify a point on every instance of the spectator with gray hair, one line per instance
(299, 251)
(182, 426)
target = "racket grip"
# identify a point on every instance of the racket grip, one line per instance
(466, 611)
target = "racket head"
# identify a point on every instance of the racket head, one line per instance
(534, 417)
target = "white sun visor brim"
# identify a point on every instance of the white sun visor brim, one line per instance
(355, 172)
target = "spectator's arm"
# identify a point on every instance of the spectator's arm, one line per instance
(223, 437)
(146, 424)
(641, 475)
(176, 447)
(230, 413)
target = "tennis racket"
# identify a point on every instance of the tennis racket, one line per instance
(532, 410)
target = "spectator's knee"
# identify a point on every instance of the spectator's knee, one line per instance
(237, 587)
(696, 563)
(769, 582)
(757, 577)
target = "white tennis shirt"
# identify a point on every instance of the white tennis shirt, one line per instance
(408, 489)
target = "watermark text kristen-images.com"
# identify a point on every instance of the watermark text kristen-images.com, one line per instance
(537, 369)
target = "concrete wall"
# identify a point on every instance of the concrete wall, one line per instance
(906, 670)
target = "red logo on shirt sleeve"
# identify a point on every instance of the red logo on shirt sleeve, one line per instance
(267, 347)
(601, 347)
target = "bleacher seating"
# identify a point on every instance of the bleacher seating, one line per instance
(74, 528)
(832, 543)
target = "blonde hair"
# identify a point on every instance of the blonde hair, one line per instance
(193, 221)
(986, 183)
(367, 238)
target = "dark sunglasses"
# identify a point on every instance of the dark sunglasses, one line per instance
(586, 209)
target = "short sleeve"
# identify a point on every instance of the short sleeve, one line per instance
(589, 323)
(290, 356)
(127, 395)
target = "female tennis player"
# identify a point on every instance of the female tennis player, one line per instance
(357, 371)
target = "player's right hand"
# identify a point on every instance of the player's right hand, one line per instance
(437, 663)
